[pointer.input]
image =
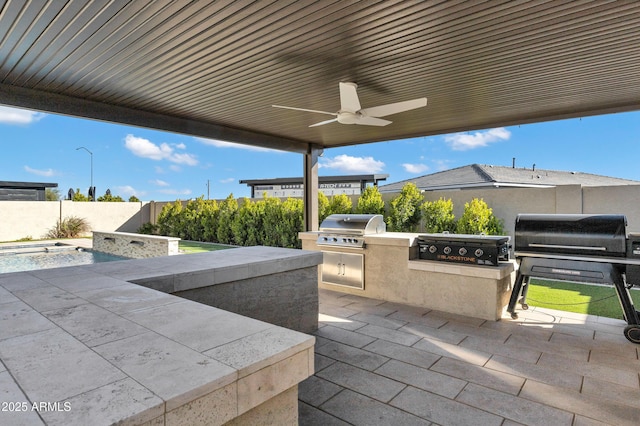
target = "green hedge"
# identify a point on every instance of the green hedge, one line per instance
(268, 222)
(272, 222)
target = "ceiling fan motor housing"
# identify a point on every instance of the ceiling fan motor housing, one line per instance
(348, 117)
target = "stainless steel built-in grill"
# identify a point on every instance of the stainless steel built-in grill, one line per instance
(583, 248)
(346, 231)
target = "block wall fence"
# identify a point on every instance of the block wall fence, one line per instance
(33, 219)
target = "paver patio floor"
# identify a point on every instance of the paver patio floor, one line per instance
(380, 363)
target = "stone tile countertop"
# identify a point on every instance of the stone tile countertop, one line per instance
(78, 347)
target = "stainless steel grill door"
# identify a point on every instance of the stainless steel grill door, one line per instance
(345, 269)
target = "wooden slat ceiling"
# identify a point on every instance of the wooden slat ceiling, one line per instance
(214, 68)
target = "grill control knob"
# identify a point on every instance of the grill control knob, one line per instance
(447, 250)
(355, 241)
(462, 251)
(479, 252)
(335, 239)
(433, 249)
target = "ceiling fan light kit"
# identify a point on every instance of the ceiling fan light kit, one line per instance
(352, 113)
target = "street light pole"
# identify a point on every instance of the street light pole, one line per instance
(93, 198)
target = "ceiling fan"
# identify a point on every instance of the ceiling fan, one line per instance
(352, 113)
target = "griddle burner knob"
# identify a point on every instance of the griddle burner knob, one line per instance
(433, 249)
(447, 250)
(355, 241)
(479, 252)
(462, 251)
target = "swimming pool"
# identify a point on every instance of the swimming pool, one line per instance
(45, 256)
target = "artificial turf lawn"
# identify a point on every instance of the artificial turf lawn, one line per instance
(580, 298)
(189, 247)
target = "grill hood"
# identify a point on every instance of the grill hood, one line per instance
(581, 234)
(353, 224)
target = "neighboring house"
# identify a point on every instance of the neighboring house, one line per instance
(476, 176)
(24, 191)
(329, 185)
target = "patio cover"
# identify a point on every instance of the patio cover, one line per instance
(214, 68)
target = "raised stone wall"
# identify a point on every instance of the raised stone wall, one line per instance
(134, 246)
(271, 284)
(286, 299)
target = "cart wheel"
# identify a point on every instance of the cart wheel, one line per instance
(632, 333)
(514, 315)
(525, 306)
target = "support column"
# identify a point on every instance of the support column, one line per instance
(310, 181)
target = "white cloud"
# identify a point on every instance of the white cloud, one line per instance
(227, 180)
(127, 191)
(349, 164)
(466, 141)
(146, 149)
(223, 144)
(415, 168)
(46, 173)
(188, 159)
(10, 115)
(159, 182)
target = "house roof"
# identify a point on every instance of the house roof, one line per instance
(479, 175)
(375, 178)
(215, 68)
(26, 185)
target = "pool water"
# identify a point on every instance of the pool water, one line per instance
(42, 258)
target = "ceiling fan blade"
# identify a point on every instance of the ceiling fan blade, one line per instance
(349, 97)
(324, 122)
(372, 121)
(389, 109)
(303, 109)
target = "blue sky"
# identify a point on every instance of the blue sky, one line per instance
(162, 166)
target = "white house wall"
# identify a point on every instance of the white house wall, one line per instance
(22, 219)
(33, 219)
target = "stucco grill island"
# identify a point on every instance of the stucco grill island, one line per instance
(362, 258)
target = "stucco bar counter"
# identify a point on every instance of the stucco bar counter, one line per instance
(85, 345)
(393, 273)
